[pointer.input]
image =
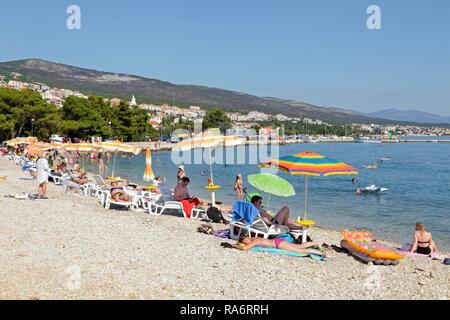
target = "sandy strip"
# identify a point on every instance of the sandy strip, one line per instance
(69, 247)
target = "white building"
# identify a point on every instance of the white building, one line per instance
(133, 101)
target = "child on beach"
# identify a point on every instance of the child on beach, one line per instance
(277, 243)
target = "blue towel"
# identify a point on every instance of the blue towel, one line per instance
(244, 210)
(287, 253)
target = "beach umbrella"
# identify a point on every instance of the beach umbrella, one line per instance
(79, 147)
(311, 164)
(116, 147)
(203, 141)
(272, 185)
(39, 148)
(21, 140)
(148, 174)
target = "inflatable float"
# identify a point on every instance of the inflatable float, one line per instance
(373, 189)
(361, 245)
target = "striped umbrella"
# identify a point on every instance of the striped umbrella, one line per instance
(148, 174)
(311, 164)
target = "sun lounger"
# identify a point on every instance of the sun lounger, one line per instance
(107, 201)
(246, 219)
(157, 209)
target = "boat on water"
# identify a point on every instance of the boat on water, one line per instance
(366, 140)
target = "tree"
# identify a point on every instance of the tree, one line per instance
(216, 118)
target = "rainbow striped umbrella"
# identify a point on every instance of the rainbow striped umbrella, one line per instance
(311, 164)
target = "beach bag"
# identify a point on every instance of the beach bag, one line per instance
(215, 215)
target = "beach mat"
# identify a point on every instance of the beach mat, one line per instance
(287, 253)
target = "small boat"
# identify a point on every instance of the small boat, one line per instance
(385, 159)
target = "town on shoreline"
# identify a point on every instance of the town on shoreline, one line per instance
(257, 127)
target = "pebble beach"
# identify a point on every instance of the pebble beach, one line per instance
(70, 247)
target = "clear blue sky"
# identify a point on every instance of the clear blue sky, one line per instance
(315, 51)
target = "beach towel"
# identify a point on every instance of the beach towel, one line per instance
(244, 210)
(188, 205)
(287, 253)
(406, 250)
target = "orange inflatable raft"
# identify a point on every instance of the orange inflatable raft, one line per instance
(362, 245)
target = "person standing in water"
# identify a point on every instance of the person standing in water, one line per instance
(180, 174)
(238, 187)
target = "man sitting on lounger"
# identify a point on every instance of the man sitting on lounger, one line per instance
(181, 194)
(277, 243)
(281, 218)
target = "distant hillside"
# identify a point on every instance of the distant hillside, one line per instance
(151, 90)
(409, 116)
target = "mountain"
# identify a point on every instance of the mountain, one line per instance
(408, 116)
(123, 86)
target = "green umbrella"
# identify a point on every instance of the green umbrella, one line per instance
(271, 184)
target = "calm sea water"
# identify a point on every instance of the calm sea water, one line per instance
(418, 179)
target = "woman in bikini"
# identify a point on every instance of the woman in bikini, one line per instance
(423, 241)
(118, 194)
(277, 243)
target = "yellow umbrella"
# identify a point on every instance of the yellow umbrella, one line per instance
(148, 174)
(117, 146)
(80, 147)
(21, 140)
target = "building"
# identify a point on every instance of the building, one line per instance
(115, 102)
(18, 85)
(133, 101)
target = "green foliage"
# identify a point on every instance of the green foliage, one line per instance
(216, 118)
(81, 118)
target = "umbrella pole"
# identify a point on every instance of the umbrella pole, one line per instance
(210, 165)
(268, 203)
(304, 233)
(114, 164)
(306, 198)
(213, 194)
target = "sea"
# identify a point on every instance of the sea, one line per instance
(417, 177)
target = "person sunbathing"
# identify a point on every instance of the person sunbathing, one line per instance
(118, 194)
(281, 218)
(245, 244)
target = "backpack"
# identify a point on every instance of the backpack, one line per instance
(215, 215)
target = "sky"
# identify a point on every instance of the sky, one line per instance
(320, 52)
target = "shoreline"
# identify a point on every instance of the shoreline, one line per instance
(69, 247)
